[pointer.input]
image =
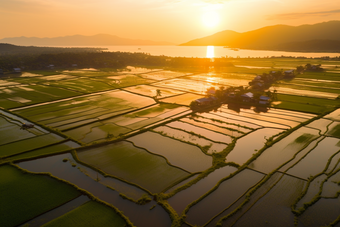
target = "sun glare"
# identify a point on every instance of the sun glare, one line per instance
(211, 19)
(210, 51)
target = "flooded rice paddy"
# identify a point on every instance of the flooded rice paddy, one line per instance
(143, 142)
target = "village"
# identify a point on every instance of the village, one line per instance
(258, 93)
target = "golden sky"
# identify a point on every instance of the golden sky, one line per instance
(174, 21)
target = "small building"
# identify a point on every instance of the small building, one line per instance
(247, 97)
(264, 100)
(206, 101)
(258, 78)
(231, 95)
(289, 73)
(17, 70)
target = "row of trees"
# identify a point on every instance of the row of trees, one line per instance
(102, 60)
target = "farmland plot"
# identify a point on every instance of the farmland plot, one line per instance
(87, 215)
(60, 147)
(244, 150)
(184, 99)
(259, 123)
(208, 146)
(151, 91)
(29, 144)
(313, 190)
(240, 125)
(274, 207)
(180, 154)
(183, 198)
(284, 150)
(222, 79)
(18, 96)
(315, 161)
(138, 214)
(253, 198)
(211, 135)
(320, 124)
(29, 195)
(334, 129)
(11, 132)
(219, 199)
(221, 122)
(267, 118)
(212, 127)
(162, 75)
(114, 101)
(133, 164)
(301, 154)
(308, 93)
(198, 87)
(322, 213)
(335, 115)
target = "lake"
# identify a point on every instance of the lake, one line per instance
(209, 51)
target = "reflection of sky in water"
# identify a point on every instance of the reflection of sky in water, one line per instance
(210, 51)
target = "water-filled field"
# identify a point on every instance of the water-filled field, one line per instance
(124, 145)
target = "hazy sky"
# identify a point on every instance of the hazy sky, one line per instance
(159, 20)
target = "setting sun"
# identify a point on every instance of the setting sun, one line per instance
(211, 19)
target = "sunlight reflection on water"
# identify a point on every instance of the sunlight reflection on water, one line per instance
(210, 51)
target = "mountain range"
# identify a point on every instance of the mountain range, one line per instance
(318, 37)
(80, 40)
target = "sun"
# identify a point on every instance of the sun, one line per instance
(211, 19)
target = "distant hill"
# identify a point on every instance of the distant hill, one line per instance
(11, 49)
(277, 37)
(80, 40)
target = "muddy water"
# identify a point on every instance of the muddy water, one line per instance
(139, 215)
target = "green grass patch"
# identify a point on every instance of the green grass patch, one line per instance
(89, 214)
(24, 195)
(306, 104)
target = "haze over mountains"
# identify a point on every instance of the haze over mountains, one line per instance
(318, 37)
(80, 40)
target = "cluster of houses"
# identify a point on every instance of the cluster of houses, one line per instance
(232, 95)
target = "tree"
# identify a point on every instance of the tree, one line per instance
(158, 93)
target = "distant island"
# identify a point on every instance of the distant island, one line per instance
(81, 40)
(321, 37)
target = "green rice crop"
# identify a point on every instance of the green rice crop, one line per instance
(89, 214)
(24, 196)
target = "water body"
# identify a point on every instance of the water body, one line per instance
(208, 51)
(139, 215)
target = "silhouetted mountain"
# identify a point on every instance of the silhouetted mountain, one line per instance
(80, 40)
(309, 46)
(271, 37)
